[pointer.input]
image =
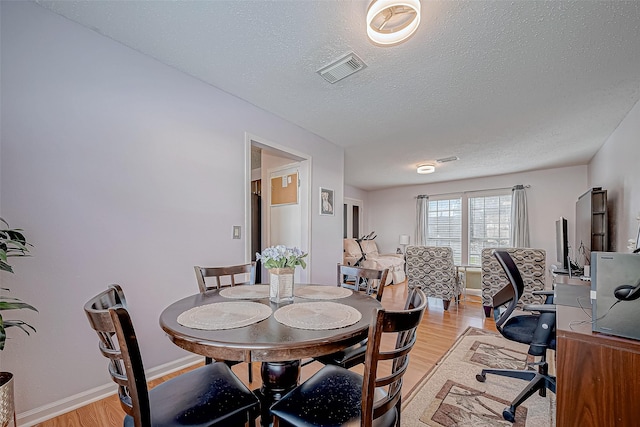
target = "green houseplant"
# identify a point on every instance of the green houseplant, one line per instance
(12, 244)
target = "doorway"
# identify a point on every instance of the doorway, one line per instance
(352, 217)
(285, 223)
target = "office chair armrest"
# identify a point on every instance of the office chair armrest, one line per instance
(542, 308)
(545, 292)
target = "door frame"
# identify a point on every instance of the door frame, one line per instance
(348, 219)
(305, 164)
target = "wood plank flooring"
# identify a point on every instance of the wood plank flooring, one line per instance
(437, 333)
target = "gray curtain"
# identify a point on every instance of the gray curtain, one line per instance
(519, 218)
(422, 207)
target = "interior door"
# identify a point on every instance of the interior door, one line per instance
(285, 211)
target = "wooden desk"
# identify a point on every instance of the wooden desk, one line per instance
(598, 380)
(277, 346)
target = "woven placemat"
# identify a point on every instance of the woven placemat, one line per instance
(246, 292)
(319, 315)
(321, 292)
(224, 315)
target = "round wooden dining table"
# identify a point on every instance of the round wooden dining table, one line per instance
(279, 347)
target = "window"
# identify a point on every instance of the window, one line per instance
(489, 224)
(469, 224)
(445, 225)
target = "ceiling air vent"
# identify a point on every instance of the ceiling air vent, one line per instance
(447, 159)
(342, 68)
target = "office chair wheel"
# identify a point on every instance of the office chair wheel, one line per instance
(509, 414)
(481, 378)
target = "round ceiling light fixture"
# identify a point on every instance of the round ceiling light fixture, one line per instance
(390, 22)
(426, 168)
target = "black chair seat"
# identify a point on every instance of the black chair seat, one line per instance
(207, 396)
(330, 398)
(346, 358)
(522, 329)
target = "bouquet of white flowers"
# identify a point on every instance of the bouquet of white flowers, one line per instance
(282, 257)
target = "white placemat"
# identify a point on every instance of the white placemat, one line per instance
(246, 292)
(317, 315)
(224, 315)
(321, 292)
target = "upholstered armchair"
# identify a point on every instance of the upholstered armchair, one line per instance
(431, 268)
(532, 266)
(373, 259)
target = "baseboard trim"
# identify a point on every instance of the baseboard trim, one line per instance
(54, 409)
(475, 292)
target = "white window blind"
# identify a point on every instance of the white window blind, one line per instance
(489, 224)
(488, 217)
(445, 225)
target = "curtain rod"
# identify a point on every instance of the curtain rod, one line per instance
(422, 196)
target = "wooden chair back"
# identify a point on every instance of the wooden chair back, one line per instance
(226, 276)
(108, 316)
(365, 280)
(404, 323)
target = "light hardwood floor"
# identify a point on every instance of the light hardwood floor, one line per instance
(437, 333)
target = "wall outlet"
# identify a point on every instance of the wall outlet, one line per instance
(236, 231)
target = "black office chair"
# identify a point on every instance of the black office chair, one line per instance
(365, 280)
(208, 396)
(537, 330)
(335, 396)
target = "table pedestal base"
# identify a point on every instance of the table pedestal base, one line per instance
(278, 378)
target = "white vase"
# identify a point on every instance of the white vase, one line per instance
(281, 284)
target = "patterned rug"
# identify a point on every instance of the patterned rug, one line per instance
(449, 395)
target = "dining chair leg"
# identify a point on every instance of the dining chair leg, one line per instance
(250, 372)
(208, 361)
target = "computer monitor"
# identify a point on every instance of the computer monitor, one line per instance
(562, 244)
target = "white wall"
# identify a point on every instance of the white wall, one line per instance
(121, 170)
(553, 193)
(615, 168)
(355, 193)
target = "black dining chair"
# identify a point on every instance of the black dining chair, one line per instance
(370, 282)
(208, 396)
(538, 330)
(336, 396)
(242, 274)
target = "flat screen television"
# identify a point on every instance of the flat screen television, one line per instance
(562, 245)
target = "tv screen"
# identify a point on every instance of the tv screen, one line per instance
(562, 243)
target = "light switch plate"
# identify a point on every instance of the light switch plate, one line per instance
(236, 231)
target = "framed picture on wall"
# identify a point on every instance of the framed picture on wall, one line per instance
(326, 201)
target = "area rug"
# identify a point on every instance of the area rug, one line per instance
(449, 394)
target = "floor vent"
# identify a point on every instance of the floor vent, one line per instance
(342, 68)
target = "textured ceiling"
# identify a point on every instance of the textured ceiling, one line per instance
(506, 86)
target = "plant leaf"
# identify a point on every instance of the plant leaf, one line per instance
(19, 324)
(12, 305)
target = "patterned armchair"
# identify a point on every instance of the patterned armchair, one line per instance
(530, 263)
(431, 268)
